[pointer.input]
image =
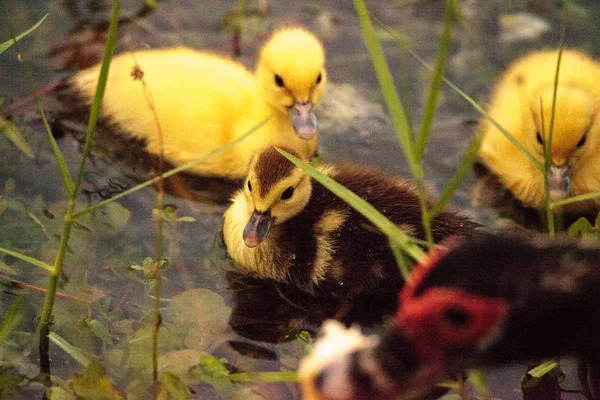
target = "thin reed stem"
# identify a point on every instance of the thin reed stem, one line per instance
(138, 74)
(173, 171)
(548, 145)
(72, 190)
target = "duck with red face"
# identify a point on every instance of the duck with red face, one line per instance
(490, 301)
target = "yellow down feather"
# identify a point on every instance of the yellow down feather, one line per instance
(522, 104)
(204, 101)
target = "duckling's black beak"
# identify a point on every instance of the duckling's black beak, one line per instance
(304, 119)
(559, 180)
(257, 228)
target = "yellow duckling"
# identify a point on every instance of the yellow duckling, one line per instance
(204, 101)
(284, 226)
(522, 104)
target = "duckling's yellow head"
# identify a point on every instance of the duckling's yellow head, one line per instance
(574, 134)
(275, 191)
(291, 75)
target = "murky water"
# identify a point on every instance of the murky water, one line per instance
(99, 282)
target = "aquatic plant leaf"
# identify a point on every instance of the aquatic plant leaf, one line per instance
(6, 269)
(10, 42)
(179, 363)
(99, 330)
(93, 384)
(27, 259)
(544, 368)
(394, 233)
(117, 215)
(140, 351)
(58, 393)
(9, 380)
(212, 371)
(11, 319)
(171, 387)
(580, 227)
(478, 379)
(10, 130)
(75, 352)
(200, 316)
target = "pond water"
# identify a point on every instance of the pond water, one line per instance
(105, 303)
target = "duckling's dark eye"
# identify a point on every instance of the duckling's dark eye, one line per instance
(249, 186)
(581, 141)
(319, 78)
(278, 80)
(287, 193)
(539, 138)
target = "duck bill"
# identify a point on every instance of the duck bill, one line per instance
(304, 119)
(559, 181)
(257, 228)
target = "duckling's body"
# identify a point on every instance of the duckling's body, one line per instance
(522, 104)
(203, 101)
(316, 239)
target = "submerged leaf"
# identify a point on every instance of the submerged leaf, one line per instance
(11, 319)
(581, 227)
(58, 393)
(93, 384)
(171, 388)
(10, 130)
(201, 317)
(99, 330)
(212, 371)
(179, 363)
(75, 352)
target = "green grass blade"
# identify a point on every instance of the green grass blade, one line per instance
(174, 170)
(401, 260)
(575, 199)
(11, 319)
(109, 49)
(469, 99)
(27, 259)
(548, 143)
(10, 42)
(543, 368)
(75, 352)
(438, 75)
(14, 135)
(388, 87)
(60, 160)
(458, 177)
(394, 233)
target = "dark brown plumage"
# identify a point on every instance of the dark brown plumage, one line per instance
(481, 303)
(316, 240)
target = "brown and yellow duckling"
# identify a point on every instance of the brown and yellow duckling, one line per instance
(203, 101)
(285, 226)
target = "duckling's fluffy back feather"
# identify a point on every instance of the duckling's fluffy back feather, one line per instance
(330, 246)
(200, 102)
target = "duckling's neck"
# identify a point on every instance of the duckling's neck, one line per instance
(260, 260)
